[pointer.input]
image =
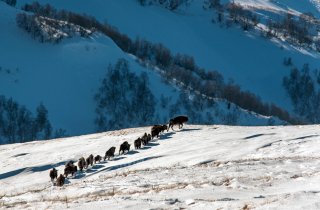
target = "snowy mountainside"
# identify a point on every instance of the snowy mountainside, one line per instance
(238, 55)
(66, 76)
(198, 167)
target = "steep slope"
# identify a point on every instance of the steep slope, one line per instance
(66, 76)
(198, 167)
(250, 60)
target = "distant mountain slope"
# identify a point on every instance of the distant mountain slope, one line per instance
(66, 76)
(253, 62)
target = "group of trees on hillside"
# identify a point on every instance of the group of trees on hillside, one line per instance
(10, 2)
(232, 13)
(124, 99)
(181, 68)
(169, 4)
(18, 124)
(48, 29)
(302, 87)
(297, 30)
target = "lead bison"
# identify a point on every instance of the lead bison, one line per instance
(125, 146)
(177, 120)
(109, 153)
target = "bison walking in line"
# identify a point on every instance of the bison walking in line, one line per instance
(137, 143)
(177, 121)
(53, 174)
(144, 139)
(97, 158)
(155, 131)
(60, 180)
(70, 169)
(81, 163)
(109, 153)
(89, 161)
(163, 128)
(125, 146)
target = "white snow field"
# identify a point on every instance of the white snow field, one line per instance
(198, 167)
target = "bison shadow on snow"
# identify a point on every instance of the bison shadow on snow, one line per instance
(164, 136)
(189, 129)
(97, 166)
(91, 170)
(131, 152)
(117, 158)
(149, 145)
(112, 168)
(78, 175)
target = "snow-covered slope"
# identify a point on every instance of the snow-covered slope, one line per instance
(253, 62)
(198, 167)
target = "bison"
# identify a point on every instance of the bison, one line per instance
(137, 143)
(97, 158)
(89, 161)
(144, 139)
(70, 169)
(53, 174)
(177, 120)
(124, 146)
(155, 131)
(69, 163)
(81, 163)
(60, 180)
(163, 128)
(109, 153)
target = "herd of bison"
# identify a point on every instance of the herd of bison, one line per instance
(83, 163)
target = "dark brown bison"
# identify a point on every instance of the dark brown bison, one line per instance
(155, 131)
(97, 158)
(60, 180)
(81, 163)
(144, 139)
(149, 137)
(69, 163)
(125, 146)
(70, 169)
(163, 128)
(137, 143)
(53, 174)
(177, 120)
(89, 161)
(109, 153)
